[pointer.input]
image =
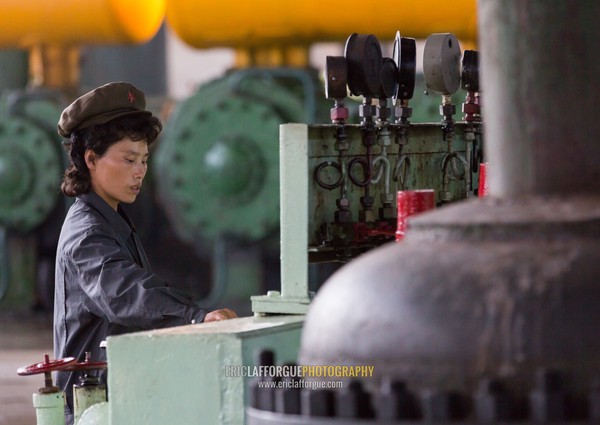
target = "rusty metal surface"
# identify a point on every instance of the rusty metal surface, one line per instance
(418, 167)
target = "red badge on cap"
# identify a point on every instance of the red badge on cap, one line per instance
(131, 97)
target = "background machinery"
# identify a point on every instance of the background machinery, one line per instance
(213, 191)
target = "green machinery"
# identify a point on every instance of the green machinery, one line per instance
(31, 164)
(329, 211)
(215, 171)
(217, 161)
(216, 165)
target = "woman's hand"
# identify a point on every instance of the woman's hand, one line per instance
(218, 315)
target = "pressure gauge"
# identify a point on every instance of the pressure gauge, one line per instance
(363, 60)
(405, 57)
(441, 63)
(389, 79)
(470, 71)
(335, 77)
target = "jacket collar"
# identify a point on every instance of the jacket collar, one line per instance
(117, 219)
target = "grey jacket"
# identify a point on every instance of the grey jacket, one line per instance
(104, 285)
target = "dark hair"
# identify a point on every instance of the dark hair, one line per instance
(99, 138)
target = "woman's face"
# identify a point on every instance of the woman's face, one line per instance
(118, 174)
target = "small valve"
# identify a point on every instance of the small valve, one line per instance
(89, 390)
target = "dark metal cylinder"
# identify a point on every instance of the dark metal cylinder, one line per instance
(540, 66)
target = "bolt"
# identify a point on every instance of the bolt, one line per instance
(387, 213)
(492, 402)
(548, 380)
(447, 110)
(354, 402)
(262, 396)
(342, 202)
(403, 112)
(396, 402)
(339, 114)
(367, 201)
(441, 406)
(287, 398)
(547, 402)
(387, 198)
(342, 145)
(383, 113)
(366, 110)
(446, 196)
(367, 216)
(318, 402)
(343, 216)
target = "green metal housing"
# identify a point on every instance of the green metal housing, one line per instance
(217, 162)
(31, 161)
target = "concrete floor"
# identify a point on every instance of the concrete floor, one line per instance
(24, 339)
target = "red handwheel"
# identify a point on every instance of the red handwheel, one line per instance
(46, 367)
(87, 364)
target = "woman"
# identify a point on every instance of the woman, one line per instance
(104, 284)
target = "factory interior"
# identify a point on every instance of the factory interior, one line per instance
(395, 198)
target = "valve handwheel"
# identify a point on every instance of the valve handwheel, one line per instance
(46, 367)
(87, 364)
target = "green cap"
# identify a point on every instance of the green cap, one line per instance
(101, 105)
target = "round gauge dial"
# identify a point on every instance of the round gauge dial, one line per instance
(335, 77)
(389, 78)
(470, 71)
(441, 63)
(364, 60)
(405, 56)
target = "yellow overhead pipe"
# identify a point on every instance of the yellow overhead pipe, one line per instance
(53, 30)
(260, 23)
(26, 23)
